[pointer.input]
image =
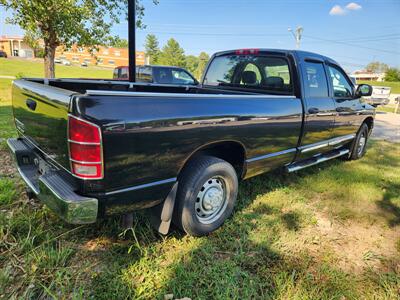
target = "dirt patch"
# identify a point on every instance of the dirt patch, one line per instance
(352, 246)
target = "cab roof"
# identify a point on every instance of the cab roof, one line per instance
(300, 54)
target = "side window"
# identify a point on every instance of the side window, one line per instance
(341, 87)
(145, 74)
(315, 82)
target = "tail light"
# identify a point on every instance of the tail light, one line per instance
(85, 149)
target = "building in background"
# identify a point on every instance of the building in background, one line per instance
(103, 56)
(368, 76)
(15, 46)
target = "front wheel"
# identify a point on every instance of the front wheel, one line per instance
(360, 143)
(206, 195)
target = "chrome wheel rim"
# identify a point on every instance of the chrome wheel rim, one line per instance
(211, 200)
(361, 144)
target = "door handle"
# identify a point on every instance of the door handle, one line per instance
(313, 110)
(31, 104)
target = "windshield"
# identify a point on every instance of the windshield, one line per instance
(250, 72)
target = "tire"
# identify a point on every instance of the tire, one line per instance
(206, 195)
(359, 145)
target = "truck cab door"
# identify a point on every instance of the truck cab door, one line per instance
(319, 109)
(348, 107)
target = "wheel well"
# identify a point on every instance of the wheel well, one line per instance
(370, 123)
(232, 152)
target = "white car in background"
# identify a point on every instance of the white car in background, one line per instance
(66, 62)
(380, 96)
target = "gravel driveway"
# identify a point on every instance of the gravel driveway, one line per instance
(387, 127)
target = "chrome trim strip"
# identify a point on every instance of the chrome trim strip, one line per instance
(314, 147)
(142, 186)
(327, 143)
(181, 95)
(342, 139)
(86, 162)
(320, 160)
(84, 143)
(271, 155)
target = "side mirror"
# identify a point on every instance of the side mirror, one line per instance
(363, 90)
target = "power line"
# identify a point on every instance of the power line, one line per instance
(364, 41)
(216, 34)
(393, 35)
(351, 45)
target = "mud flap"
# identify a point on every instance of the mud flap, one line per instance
(161, 215)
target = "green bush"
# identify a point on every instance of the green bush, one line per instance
(392, 74)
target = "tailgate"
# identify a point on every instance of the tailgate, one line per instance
(41, 114)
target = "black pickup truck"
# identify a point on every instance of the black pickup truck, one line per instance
(93, 148)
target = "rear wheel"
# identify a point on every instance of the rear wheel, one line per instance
(360, 143)
(206, 195)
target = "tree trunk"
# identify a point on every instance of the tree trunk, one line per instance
(49, 55)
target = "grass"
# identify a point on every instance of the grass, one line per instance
(5, 91)
(30, 68)
(395, 86)
(328, 232)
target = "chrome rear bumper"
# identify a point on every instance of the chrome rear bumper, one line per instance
(51, 186)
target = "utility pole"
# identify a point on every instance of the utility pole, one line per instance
(132, 39)
(297, 35)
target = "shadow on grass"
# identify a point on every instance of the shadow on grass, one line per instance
(235, 262)
(228, 264)
(387, 205)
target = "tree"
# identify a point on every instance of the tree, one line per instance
(152, 49)
(392, 74)
(203, 60)
(33, 41)
(172, 54)
(191, 63)
(377, 67)
(82, 22)
(117, 42)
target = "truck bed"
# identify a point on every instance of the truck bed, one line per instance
(82, 85)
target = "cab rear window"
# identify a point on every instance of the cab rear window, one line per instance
(250, 72)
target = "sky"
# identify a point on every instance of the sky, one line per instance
(352, 33)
